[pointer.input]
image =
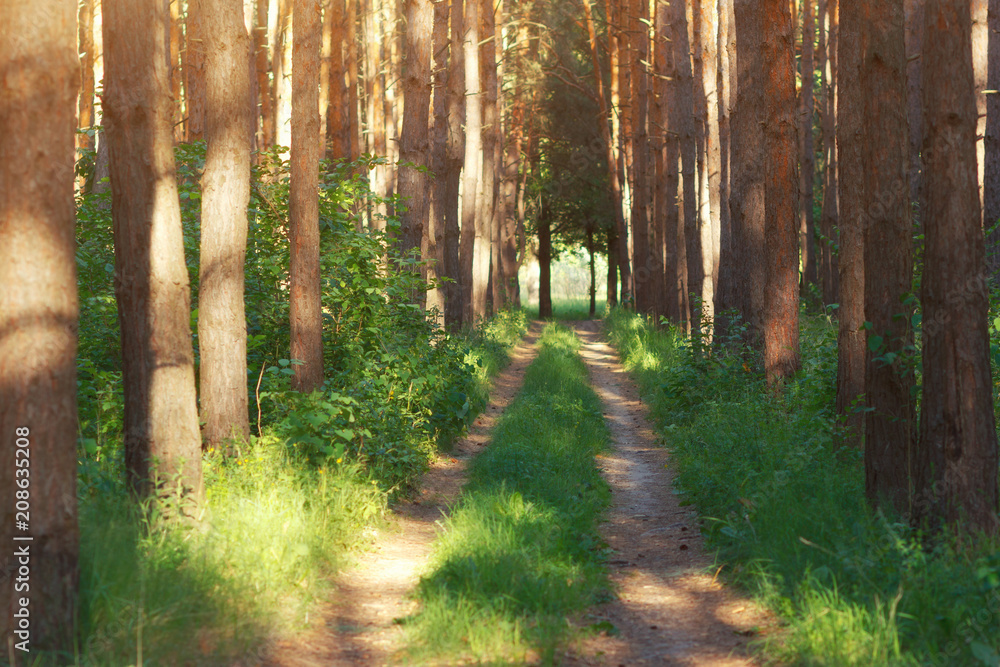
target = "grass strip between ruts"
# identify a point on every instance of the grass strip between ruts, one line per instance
(521, 550)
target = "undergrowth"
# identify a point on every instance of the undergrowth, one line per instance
(521, 551)
(285, 511)
(784, 506)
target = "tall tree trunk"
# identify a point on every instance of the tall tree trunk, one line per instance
(303, 203)
(677, 123)
(279, 68)
(544, 263)
(614, 159)
(807, 159)
(593, 274)
(980, 67)
(151, 279)
(265, 137)
(641, 261)
(711, 172)
(914, 10)
(689, 156)
(747, 196)
(957, 459)
(781, 295)
(353, 123)
(851, 339)
(626, 99)
(472, 228)
(176, 68)
(437, 188)
(829, 218)
(225, 182)
(38, 324)
(414, 143)
(194, 75)
(726, 60)
(890, 420)
(991, 148)
(486, 197)
(452, 177)
(86, 45)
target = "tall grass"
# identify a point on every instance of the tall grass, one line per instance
(784, 506)
(252, 567)
(570, 309)
(521, 550)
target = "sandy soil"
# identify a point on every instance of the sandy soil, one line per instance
(670, 609)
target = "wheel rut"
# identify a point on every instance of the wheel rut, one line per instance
(668, 610)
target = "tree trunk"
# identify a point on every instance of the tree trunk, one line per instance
(151, 279)
(643, 275)
(957, 459)
(332, 85)
(353, 104)
(613, 106)
(486, 197)
(86, 45)
(438, 186)
(194, 74)
(711, 172)
(265, 138)
(303, 201)
(851, 339)
(176, 68)
(225, 182)
(914, 10)
(414, 143)
(724, 271)
(829, 218)
(991, 147)
(781, 295)
(279, 68)
(807, 159)
(38, 325)
(890, 420)
(472, 229)
(980, 50)
(451, 179)
(593, 273)
(612, 283)
(689, 157)
(544, 263)
(747, 197)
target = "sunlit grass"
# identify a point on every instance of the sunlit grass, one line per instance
(570, 309)
(785, 508)
(521, 550)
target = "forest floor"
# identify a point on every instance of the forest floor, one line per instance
(669, 609)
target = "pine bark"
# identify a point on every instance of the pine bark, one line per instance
(807, 159)
(615, 160)
(747, 195)
(891, 417)
(643, 275)
(486, 197)
(781, 295)
(304, 275)
(829, 218)
(991, 147)
(86, 117)
(265, 136)
(194, 76)
(956, 470)
(453, 174)
(225, 182)
(151, 279)
(711, 172)
(437, 188)
(38, 321)
(851, 340)
(472, 241)
(415, 146)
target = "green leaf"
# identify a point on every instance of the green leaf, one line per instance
(985, 654)
(874, 343)
(345, 433)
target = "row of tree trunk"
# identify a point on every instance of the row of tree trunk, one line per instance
(710, 132)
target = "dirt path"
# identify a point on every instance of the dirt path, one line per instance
(357, 628)
(668, 611)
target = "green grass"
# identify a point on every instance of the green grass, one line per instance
(571, 309)
(521, 549)
(784, 506)
(273, 530)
